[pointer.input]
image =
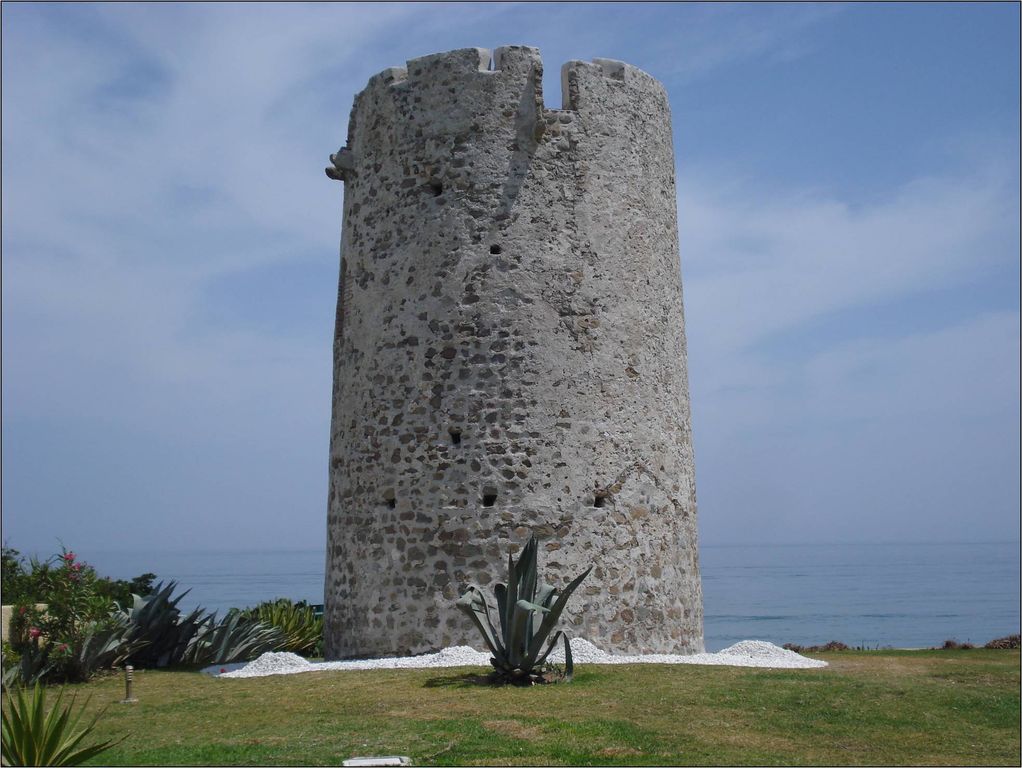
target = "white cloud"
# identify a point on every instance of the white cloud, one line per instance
(883, 428)
(777, 260)
(721, 35)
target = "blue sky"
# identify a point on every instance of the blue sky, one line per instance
(849, 229)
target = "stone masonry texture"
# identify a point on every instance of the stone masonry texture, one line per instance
(509, 356)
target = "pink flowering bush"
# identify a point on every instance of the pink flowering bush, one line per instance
(59, 639)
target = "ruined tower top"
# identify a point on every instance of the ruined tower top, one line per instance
(466, 84)
(509, 354)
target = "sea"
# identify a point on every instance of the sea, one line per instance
(864, 595)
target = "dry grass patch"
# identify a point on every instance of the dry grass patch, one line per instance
(513, 728)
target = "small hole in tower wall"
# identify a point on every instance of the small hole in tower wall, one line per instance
(455, 436)
(496, 250)
(489, 498)
(436, 187)
(600, 501)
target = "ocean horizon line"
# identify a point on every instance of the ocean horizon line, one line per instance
(255, 550)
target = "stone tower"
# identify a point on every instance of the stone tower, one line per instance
(509, 355)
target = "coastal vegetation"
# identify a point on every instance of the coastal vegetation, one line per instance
(68, 623)
(36, 581)
(302, 629)
(868, 707)
(34, 734)
(952, 705)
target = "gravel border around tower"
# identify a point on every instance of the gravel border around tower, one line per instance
(747, 653)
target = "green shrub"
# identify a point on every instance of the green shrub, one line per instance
(53, 643)
(302, 628)
(164, 637)
(527, 612)
(35, 581)
(21, 582)
(8, 656)
(954, 645)
(24, 625)
(13, 578)
(103, 645)
(33, 736)
(31, 667)
(833, 645)
(236, 638)
(158, 628)
(123, 592)
(77, 634)
(92, 623)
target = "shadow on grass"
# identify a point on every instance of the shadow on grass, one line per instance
(464, 680)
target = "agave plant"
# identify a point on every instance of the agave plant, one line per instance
(236, 638)
(527, 612)
(33, 736)
(105, 644)
(158, 629)
(10, 677)
(30, 668)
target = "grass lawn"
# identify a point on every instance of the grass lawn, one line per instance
(872, 707)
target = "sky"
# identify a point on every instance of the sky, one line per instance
(848, 193)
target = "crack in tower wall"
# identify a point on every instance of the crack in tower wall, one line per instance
(509, 277)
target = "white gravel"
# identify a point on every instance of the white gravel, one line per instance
(747, 653)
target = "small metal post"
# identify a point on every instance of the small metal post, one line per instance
(129, 678)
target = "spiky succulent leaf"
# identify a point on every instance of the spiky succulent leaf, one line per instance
(473, 603)
(550, 619)
(31, 737)
(529, 567)
(545, 595)
(569, 665)
(236, 638)
(550, 646)
(517, 640)
(105, 644)
(533, 606)
(500, 592)
(33, 666)
(510, 600)
(156, 624)
(529, 581)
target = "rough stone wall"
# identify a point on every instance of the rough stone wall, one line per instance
(509, 355)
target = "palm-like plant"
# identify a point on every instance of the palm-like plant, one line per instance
(527, 612)
(33, 736)
(299, 623)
